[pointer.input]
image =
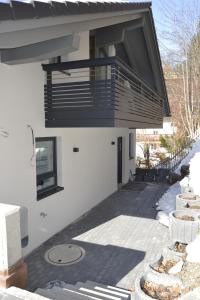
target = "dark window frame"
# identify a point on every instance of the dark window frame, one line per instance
(131, 137)
(45, 192)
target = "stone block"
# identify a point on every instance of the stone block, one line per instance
(10, 236)
(16, 276)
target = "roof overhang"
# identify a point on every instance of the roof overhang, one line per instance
(37, 31)
(21, 31)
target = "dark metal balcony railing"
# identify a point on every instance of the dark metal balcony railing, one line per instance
(99, 93)
(176, 157)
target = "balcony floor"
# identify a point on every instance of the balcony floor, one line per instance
(119, 236)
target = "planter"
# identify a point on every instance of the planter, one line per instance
(141, 295)
(184, 226)
(165, 266)
(155, 280)
(176, 249)
(193, 207)
(182, 200)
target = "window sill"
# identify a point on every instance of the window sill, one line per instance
(50, 192)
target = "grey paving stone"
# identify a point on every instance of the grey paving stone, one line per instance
(119, 236)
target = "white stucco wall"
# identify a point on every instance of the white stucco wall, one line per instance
(88, 176)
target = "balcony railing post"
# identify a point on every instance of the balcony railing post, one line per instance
(49, 89)
(113, 79)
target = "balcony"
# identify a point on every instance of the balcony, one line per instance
(103, 92)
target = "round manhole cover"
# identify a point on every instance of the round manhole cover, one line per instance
(62, 255)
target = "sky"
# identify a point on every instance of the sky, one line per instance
(166, 14)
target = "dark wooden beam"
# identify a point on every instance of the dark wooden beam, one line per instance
(40, 51)
(78, 64)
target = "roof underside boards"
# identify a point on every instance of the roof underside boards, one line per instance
(17, 10)
(135, 45)
(130, 45)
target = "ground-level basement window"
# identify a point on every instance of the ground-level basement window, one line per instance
(46, 167)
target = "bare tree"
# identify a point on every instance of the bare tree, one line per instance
(180, 45)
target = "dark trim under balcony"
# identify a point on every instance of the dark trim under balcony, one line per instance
(103, 92)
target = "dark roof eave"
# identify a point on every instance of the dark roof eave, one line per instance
(166, 103)
(17, 10)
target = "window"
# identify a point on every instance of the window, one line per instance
(92, 45)
(131, 146)
(46, 167)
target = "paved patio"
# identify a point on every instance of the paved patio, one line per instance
(119, 236)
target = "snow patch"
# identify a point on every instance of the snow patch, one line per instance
(167, 202)
(163, 218)
(192, 249)
(195, 149)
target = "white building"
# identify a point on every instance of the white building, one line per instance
(60, 161)
(151, 137)
(168, 128)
